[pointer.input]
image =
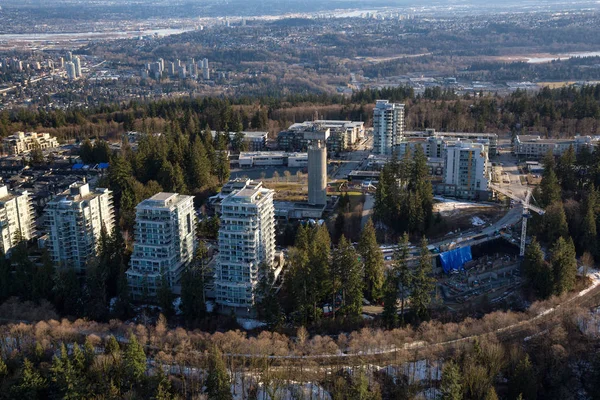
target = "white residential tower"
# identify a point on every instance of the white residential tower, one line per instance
(16, 218)
(388, 126)
(246, 239)
(165, 241)
(74, 221)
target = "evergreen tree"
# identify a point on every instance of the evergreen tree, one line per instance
(589, 237)
(119, 174)
(238, 144)
(65, 377)
(360, 389)
(6, 278)
(89, 353)
(390, 299)
(372, 259)
(163, 390)
(68, 296)
(297, 286)
(340, 222)
(267, 305)
(31, 386)
(345, 260)
(380, 209)
(410, 209)
(165, 296)
(222, 166)
(23, 269)
(523, 380)
(318, 273)
(297, 282)
(95, 293)
(86, 152)
(193, 304)
(451, 386)
(564, 265)
(403, 273)
(122, 307)
(42, 279)
(555, 222)
(3, 370)
(218, 385)
(550, 189)
(134, 360)
(422, 283)
(537, 270)
(198, 166)
(101, 152)
(491, 394)
(566, 170)
(112, 346)
(420, 184)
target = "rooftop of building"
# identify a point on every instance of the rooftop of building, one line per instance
(163, 200)
(251, 192)
(5, 195)
(323, 124)
(247, 134)
(386, 104)
(433, 132)
(22, 135)
(78, 191)
(541, 140)
(252, 154)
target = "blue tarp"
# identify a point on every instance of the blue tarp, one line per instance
(103, 165)
(78, 166)
(455, 259)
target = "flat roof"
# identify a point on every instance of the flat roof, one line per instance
(162, 196)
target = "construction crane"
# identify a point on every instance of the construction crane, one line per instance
(527, 207)
(526, 216)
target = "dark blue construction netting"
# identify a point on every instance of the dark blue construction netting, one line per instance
(455, 259)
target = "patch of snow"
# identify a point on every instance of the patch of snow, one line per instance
(448, 207)
(249, 324)
(177, 306)
(422, 370)
(418, 371)
(476, 221)
(112, 303)
(210, 306)
(241, 383)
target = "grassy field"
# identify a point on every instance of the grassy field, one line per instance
(356, 198)
(555, 85)
(288, 191)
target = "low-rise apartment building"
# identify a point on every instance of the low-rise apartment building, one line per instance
(21, 142)
(342, 135)
(536, 147)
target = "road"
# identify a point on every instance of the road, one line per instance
(512, 217)
(367, 209)
(354, 159)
